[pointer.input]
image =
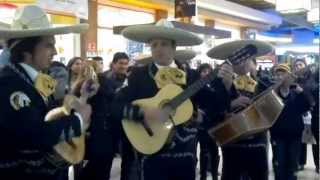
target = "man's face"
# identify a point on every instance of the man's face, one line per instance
(205, 72)
(121, 66)
(243, 67)
(162, 51)
(299, 66)
(281, 75)
(43, 53)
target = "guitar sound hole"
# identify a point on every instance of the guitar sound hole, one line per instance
(167, 107)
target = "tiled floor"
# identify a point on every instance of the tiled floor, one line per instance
(307, 174)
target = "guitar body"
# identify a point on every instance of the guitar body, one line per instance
(256, 118)
(161, 127)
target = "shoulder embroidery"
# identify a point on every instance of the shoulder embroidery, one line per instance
(19, 100)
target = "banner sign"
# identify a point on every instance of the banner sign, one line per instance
(79, 8)
(185, 8)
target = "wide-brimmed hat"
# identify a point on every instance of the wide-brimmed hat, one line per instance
(31, 20)
(4, 25)
(162, 29)
(223, 51)
(180, 55)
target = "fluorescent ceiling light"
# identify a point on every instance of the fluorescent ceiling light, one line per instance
(273, 39)
(293, 6)
(240, 11)
(313, 16)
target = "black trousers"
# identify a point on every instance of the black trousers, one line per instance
(209, 154)
(303, 154)
(14, 174)
(97, 169)
(286, 156)
(241, 162)
(168, 168)
(129, 170)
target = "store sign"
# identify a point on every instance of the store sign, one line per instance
(79, 8)
(92, 47)
(295, 6)
(18, 1)
(313, 15)
(134, 48)
(185, 8)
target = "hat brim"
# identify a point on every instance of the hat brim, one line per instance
(145, 33)
(4, 25)
(9, 34)
(180, 55)
(223, 51)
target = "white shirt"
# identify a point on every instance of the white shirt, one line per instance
(32, 72)
(172, 65)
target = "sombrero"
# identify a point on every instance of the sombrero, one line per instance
(223, 51)
(162, 29)
(31, 21)
(4, 25)
(180, 55)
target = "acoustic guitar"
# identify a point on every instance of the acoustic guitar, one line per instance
(72, 152)
(175, 107)
(256, 118)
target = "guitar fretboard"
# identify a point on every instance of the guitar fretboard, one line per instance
(191, 90)
(237, 57)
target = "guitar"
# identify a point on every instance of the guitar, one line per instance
(175, 107)
(68, 153)
(258, 117)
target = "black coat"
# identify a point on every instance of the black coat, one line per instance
(290, 123)
(315, 110)
(104, 130)
(25, 137)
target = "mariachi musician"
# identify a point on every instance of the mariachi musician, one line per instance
(30, 145)
(177, 160)
(248, 156)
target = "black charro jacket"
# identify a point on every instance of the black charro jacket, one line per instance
(214, 101)
(26, 139)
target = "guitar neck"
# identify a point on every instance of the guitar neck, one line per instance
(235, 58)
(191, 90)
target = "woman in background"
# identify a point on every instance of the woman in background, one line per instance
(75, 66)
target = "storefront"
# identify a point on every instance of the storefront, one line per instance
(110, 15)
(225, 16)
(60, 14)
(103, 15)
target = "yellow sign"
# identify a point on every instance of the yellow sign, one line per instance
(19, 1)
(60, 19)
(142, 3)
(78, 8)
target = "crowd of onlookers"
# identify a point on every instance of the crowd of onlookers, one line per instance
(105, 138)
